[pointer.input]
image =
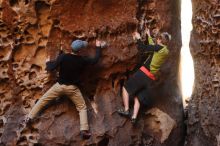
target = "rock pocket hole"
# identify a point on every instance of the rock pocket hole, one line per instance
(103, 142)
(35, 67)
(39, 5)
(1, 123)
(32, 75)
(113, 80)
(26, 2)
(13, 2)
(22, 139)
(37, 144)
(217, 59)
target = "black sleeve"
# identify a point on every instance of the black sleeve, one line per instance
(93, 60)
(144, 47)
(51, 65)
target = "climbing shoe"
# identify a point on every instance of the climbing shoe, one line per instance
(85, 134)
(133, 121)
(122, 112)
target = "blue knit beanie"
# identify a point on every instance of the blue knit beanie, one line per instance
(78, 44)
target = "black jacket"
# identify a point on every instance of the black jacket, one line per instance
(71, 66)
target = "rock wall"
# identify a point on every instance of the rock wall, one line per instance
(204, 109)
(32, 30)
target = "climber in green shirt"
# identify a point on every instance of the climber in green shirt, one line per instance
(137, 87)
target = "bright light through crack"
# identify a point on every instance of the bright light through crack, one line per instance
(186, 65)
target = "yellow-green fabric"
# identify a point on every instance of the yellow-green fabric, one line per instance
(150, 40)
(158, 59)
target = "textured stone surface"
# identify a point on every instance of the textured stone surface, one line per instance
(32, 30)
(204, 107)
(160, 122)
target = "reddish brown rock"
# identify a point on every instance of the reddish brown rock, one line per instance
(40, 28)
(204, 109)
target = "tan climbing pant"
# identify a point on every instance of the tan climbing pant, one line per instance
(72, 92)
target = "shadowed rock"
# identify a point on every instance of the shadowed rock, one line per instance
(32, 30)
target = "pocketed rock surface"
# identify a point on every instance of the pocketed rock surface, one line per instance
(204, 108)
(32, 30)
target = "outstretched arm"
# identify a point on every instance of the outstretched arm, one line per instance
(52, 65)
(150, 39)
(150, 47)
(142, 46)
(93, 60)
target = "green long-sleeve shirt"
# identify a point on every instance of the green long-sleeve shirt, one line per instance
(160, 53)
